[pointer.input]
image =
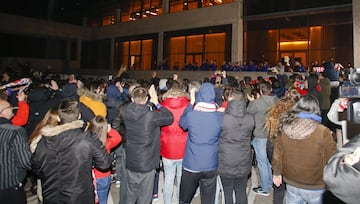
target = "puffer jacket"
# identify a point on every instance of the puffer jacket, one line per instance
(173, 137)
(63, 159)
(143, 136)
(234, 141)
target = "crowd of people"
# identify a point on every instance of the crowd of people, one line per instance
(73, 137)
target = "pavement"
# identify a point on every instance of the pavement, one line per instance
(253, 198)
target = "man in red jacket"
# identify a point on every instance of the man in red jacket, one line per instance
(173, 138)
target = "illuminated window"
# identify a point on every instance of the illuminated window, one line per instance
(136, 54)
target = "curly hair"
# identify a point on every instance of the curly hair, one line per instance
(272, 120)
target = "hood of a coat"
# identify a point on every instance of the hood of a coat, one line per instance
(206, 93)
(175, 98)
(300, 128)
(49, 131)
(112, 92)
(237, 108)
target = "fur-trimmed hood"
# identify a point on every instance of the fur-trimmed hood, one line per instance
(174, 93)
(50, 131)
(301, 128)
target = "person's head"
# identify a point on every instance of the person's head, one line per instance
(99, 127)
(308, 104)
(139, 95)
(236, 93)
(69, 111)
(206, 93)
(265, 88)
(6, 110)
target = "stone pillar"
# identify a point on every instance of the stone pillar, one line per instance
(117, 16)
(78, 52)
(165, 6)
(356, 32)
(237, 41)
(112, 51)
(160, 47)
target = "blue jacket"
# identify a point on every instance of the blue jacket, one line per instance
(201, 153)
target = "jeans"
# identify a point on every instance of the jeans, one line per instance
(302, 196)
(172, 168)
(263, 163)
(102, 189)
(190, 181)
(239, 186)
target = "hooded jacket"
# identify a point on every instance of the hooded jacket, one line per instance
(258, 108)
(63, 159)
(143, 136)
(234, 141)
(343, 179)
(203, 123)
(173, 138)
(301, 153)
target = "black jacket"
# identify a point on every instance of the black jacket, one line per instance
(234, 142)
(143, 136)
(63, 160)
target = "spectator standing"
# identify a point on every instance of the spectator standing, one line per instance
(109, 138)
(258, 108)
(64, 158)
(15, 157)
(143, 143)
(234, 148)
(173, 139)
(200, 163)
(301, 152)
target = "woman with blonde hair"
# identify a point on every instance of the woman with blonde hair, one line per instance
(110, 139)
(50, 120)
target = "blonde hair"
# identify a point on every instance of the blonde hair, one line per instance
(99, 127)
(50, 119)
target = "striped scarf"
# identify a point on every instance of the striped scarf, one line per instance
(205, 107)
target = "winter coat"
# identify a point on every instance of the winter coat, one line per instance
(112, 140)
(301, 153)
(258, 108)
(173, 138)
(143, 136)
(63, 159)
(343, 179)
(204, 127)
(118, 123)
(234, 142)
(312, 89)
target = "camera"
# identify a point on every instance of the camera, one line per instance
(352, 91)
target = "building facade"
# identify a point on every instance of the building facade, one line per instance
(148, 34)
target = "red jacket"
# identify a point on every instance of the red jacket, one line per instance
(173, 138)
(22, 114)
(113, 139)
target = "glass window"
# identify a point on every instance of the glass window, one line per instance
(194, 44)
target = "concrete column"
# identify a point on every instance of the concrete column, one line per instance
(160, 47)
(117, 16)
(356, 31)
(165, 6)
(78, 52)
(237, 41)
(112, 51)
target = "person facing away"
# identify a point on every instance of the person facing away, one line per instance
(14, 157)
(301, 152)
(64, 158)
(200, 163)
(235, 148)
(110, 138)
(173, 139)
(258, 108)
(143, 143)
